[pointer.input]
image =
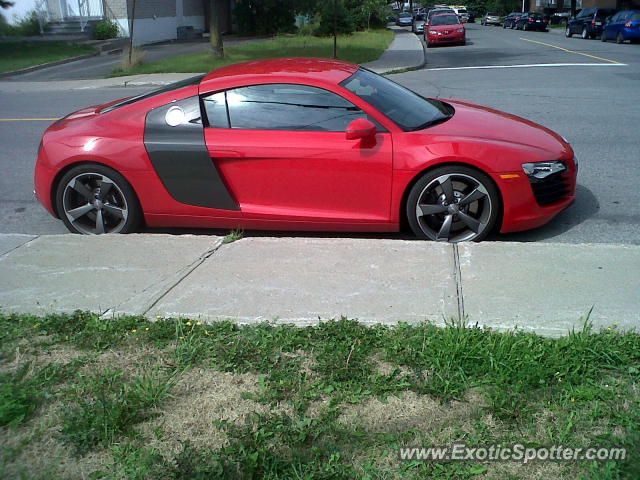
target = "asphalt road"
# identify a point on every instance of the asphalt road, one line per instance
(595, 106)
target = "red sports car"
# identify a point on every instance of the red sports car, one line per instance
(444, 28)
(301, 144)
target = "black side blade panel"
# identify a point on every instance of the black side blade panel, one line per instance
(180, 157)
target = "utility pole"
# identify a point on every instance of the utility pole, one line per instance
(133, 19)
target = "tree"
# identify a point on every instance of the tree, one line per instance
(5, 4)
(215, 28)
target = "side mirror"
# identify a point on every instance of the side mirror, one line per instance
(360, 128)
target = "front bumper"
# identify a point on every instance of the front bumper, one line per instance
(528, 206)
(447, 38)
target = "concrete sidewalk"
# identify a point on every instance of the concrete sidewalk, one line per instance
(542, 287)
(404, 53)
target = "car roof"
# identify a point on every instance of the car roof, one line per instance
(282, 69)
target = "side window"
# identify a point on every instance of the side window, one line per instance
(289, 107)
(215, 106)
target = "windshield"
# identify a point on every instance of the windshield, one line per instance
(407, 109)
(405, 15)
(444, 20)
(167, 88)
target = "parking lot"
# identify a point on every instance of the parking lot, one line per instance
(586, 90)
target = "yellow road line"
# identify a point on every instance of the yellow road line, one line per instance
(28, 119)
(571, 51)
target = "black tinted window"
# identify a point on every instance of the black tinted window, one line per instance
(289, 107)
(635, 17)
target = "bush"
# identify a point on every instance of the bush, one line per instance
(105, 29)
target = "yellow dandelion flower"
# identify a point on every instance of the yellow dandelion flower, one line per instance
(188, 324)
(134, 331)
(199, 323)
(146, 329)
(158, 316)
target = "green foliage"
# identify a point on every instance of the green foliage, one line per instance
(265, 17)
(23, 391)
(105, 406)
(17, 55)
(105, 29)
(28, 26)
(334, 16)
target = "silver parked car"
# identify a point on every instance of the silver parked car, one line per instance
(491, 18)
(418, 23)
(404, 20)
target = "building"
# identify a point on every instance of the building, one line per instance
(155, 20)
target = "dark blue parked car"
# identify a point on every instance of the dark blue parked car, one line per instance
(623, 26)
(589, 22)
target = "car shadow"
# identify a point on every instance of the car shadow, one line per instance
(585, 206)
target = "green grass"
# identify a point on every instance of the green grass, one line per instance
(360, 47)
(330, 401)
(18, 55)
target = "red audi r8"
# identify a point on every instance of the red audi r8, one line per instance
(301, 144)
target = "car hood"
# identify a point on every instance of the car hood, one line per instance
(473, 121)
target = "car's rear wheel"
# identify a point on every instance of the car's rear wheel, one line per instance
(585, 33)
(453, 204)
(567, 32)
(93, 199)
(619, 38)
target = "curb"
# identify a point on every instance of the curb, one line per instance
(48, 64)
(415, 67)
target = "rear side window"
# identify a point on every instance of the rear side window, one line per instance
(635, 17)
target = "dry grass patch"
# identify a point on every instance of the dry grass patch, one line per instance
(411, 411)
(27, 351)
(200, 398)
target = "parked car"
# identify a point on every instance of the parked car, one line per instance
(472, 17)
(532, 21)
(444, 28)
(622, 26)
(589, 22)
(301, 144)
(510, 20)
(418, 23)
(462, 13)
(560, 18)
(491, 18)
(438, 11)
(404, 20)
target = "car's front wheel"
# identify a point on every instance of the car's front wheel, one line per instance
(93, 199)
(619, 38)
(453, 204)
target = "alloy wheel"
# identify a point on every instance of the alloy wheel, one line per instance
(94, 204)
(455, 207)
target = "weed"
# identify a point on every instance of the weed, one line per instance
(233, 236)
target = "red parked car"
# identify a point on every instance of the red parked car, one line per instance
(301, 144)
(444, 28)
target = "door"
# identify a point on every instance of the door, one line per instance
(283, 153)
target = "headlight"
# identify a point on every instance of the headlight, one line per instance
(460, 30)
(433, 32)
(542, 170)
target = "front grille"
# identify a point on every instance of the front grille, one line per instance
(551, 189)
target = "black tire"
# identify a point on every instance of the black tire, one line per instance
(585, 33)
(619, 38)
(92, 199)
(462, 205)
(524, 27)
(603, 37)
(567, 32)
